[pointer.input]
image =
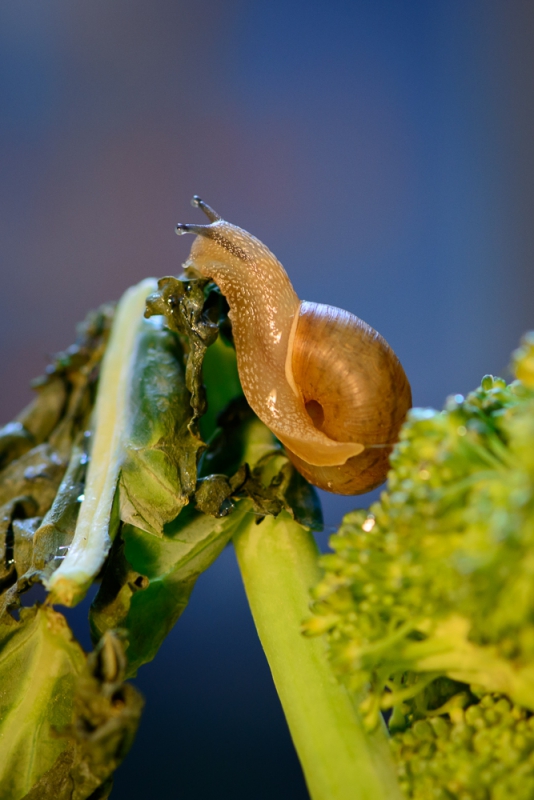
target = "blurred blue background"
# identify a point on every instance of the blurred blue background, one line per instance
(381, 148)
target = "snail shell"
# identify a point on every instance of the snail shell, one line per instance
(326, 384)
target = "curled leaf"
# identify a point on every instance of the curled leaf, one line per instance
(182, 303)
(54, 536)
(159, 470)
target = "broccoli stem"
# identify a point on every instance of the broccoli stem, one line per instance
(340, 759)
(448, 651)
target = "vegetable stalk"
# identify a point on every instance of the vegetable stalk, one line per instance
(95, 528)
(340, 759)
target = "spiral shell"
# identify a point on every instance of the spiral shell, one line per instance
(355, 390)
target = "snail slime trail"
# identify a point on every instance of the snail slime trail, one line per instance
(325, 383)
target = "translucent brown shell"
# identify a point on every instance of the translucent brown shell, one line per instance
(355, 390)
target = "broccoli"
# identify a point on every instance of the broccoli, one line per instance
(483, 751)
(427, 601)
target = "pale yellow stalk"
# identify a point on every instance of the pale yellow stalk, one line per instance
(94, 529)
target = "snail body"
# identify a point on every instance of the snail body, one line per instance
(325, 383)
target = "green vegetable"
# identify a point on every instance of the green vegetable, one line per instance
(35, 474)
(159, 469)
(183, 304)
(62, 728)
(428, 600)
(39, 666)
(35, 450)
(278, 562)
(148, 580)
(484, 751)
(54, 535)
(98, 517)
(66, 721)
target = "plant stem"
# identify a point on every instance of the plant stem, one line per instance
(340, 760)
(95, 528)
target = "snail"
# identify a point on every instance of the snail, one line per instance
(327, 385)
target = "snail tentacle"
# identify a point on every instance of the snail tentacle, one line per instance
(197, 202)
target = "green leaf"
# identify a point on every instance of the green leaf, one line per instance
(159, 472)
(182, 303)
(270, 480)
(41, 416)
(36, 474)
(221, 379)
(66, 721)
(39, 666)
(55, 534)
(34, 452)
(148, 580)
(15, 440)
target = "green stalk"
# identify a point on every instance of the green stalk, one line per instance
(448, 651)
(340, 759)
(96, 525)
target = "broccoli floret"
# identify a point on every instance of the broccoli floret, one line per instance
(428, 599)
(483, 752)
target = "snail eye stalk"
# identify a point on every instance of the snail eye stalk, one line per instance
(199, 230)
(212, 215)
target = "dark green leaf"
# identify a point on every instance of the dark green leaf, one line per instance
(15, 440)
(66, 393)
(160, 471)
(272, 483)
(148, 580)
(42, 415)
(214, 492)
(221, 379)
(182, 305)
(36, 474)
(10, 513)
(54, 535)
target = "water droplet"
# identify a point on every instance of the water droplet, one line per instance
(369, 524)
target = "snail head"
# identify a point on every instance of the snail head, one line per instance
(220, 242)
